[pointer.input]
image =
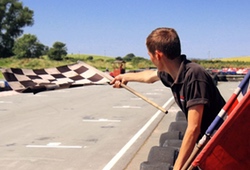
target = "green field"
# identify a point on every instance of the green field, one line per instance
(105, 62)
(44, 62)
(244, 58)
(85, 56)
(97, 61)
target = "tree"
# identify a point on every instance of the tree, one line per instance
(90, 58)
(119, 58)
(58, 51)
(28, 47)
(128, 57)
(13, 17)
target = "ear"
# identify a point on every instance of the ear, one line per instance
(158, 54)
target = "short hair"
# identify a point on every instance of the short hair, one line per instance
(165, 40)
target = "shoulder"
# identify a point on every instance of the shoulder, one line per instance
(196, 72)
(194, 67)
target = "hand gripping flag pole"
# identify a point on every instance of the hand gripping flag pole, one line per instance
(126, 87)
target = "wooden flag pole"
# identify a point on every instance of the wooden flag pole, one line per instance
(110, 78)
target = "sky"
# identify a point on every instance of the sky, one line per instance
(207, 29)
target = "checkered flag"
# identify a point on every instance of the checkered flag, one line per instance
(27, 80)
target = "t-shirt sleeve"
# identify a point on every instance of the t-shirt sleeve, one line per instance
(197, 93)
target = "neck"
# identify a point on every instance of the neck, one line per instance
(173, 66)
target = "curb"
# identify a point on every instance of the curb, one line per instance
(153, 139)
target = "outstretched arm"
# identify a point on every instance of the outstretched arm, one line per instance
(147, 76)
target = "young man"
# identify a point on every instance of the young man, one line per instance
(193, 88)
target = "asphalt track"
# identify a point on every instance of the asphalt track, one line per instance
(84, 128)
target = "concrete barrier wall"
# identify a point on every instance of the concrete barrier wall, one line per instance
(4, 85)
(230, 77)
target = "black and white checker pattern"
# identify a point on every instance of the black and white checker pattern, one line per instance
(27, 80)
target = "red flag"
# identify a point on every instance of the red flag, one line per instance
(229, 147)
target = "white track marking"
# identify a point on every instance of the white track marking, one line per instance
(136, 98)
(100, 120)
(54, 145)
(114, 160)
(6, 102)
(158, 90)
(126, 107)
(156, 94)
(8, 93)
